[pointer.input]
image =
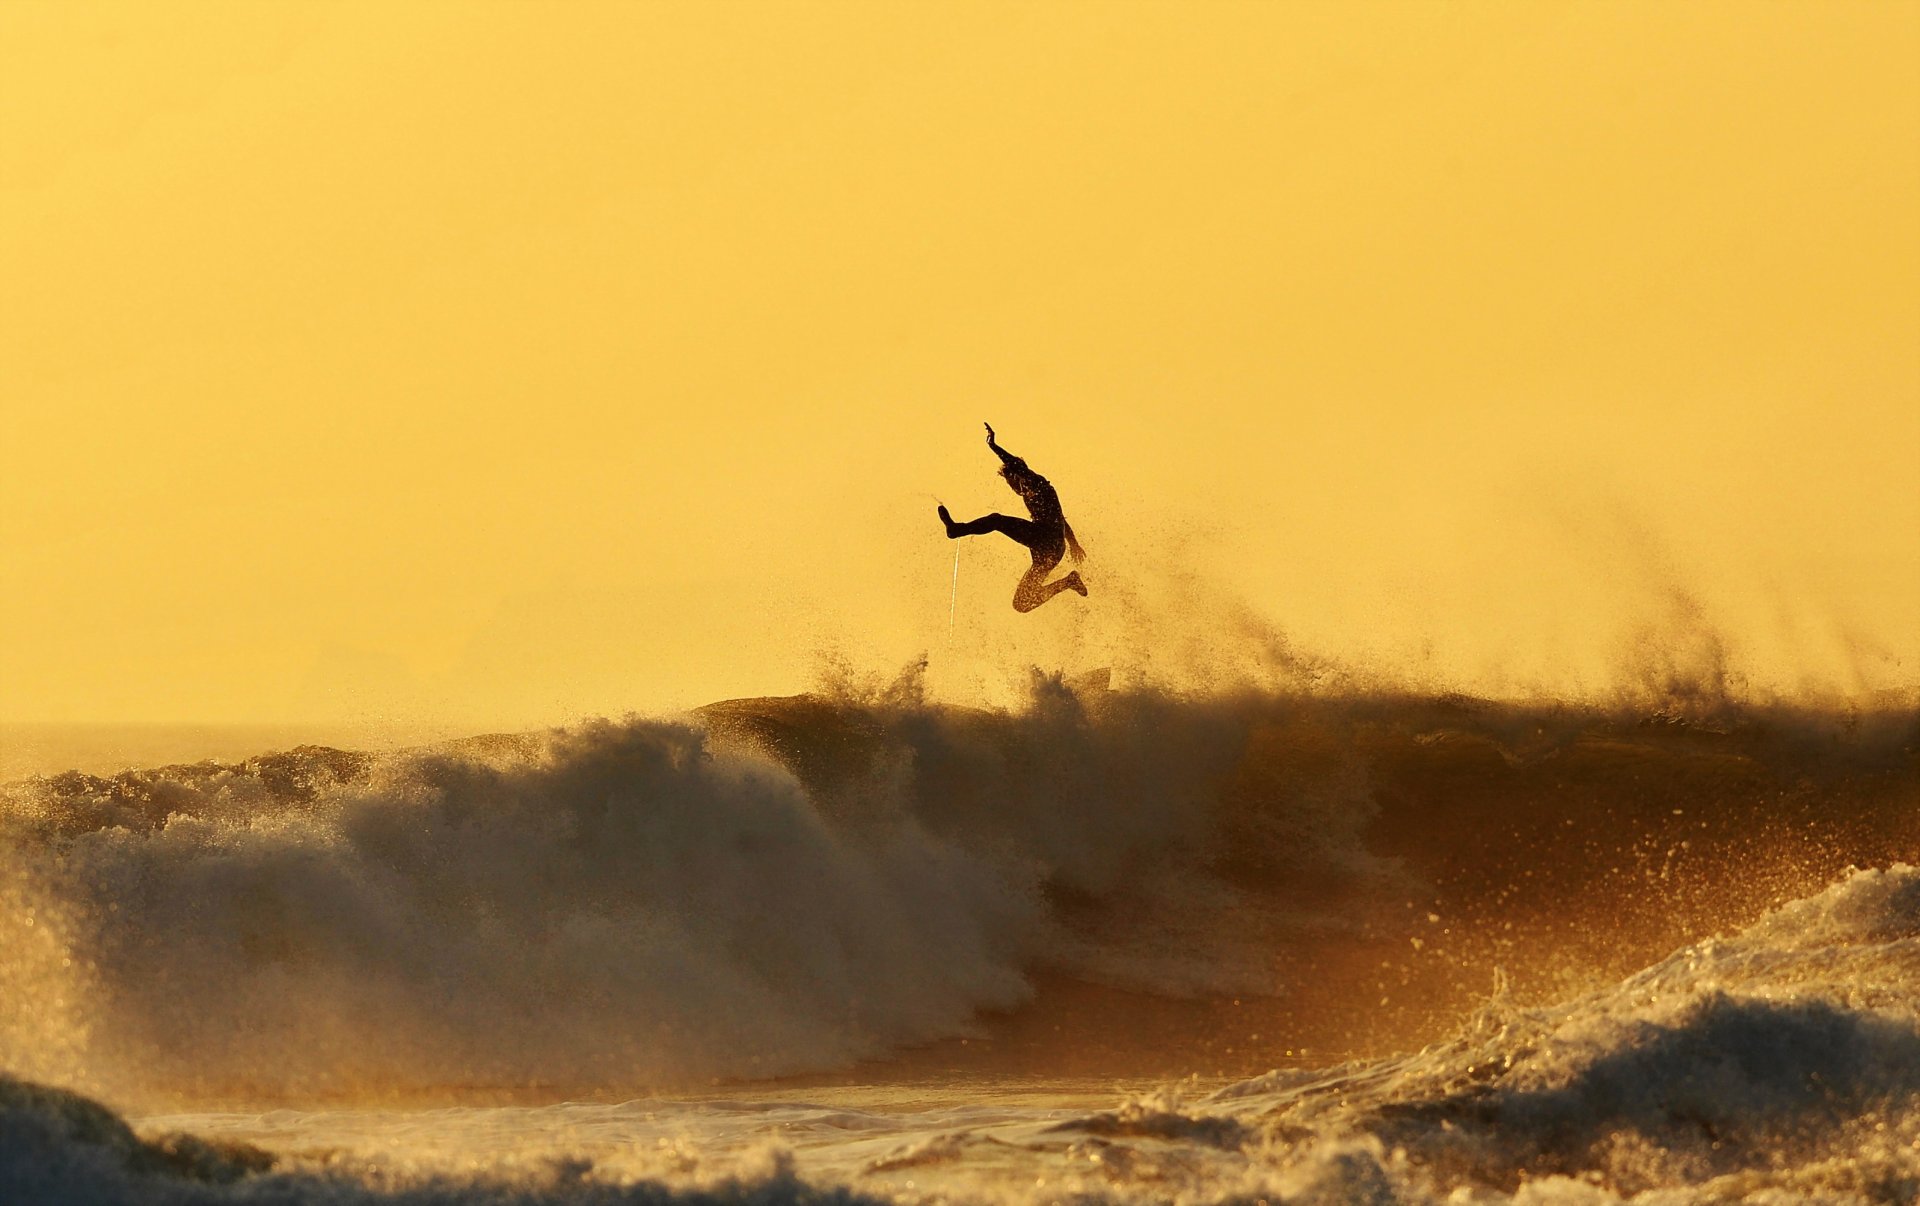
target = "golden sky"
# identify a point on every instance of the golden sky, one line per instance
(496, 363)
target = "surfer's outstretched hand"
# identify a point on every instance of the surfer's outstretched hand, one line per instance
(989, 428)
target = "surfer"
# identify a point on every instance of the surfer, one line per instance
(1047, 535)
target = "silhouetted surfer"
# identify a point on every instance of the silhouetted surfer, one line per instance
(1047, 535)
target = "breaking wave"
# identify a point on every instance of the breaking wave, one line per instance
(1778, 1064)
(774, 886)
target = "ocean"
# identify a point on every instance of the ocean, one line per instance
(1108, 945)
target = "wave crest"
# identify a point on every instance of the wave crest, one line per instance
(778, 885)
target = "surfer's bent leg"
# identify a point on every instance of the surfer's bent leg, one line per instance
(1034, 589)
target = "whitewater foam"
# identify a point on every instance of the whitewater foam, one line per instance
(619, 903)
(1741, 1070)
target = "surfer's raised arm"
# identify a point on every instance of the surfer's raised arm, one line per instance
(1005, 456)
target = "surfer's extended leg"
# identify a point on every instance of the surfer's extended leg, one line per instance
(1023, 531)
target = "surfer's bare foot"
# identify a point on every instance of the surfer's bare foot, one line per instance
(947, 519)
(1075, 584)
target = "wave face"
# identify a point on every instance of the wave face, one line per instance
(774, 886)
(1779, 1064)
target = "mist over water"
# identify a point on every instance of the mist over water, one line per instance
(1129, 884)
